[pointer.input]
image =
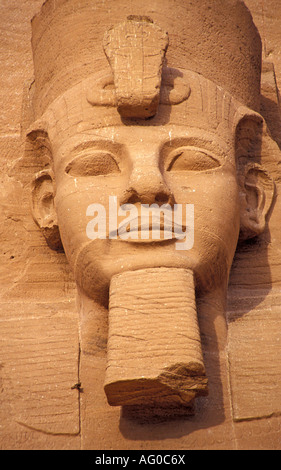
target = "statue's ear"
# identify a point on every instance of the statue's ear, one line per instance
(43, 190)
(255, 184)
(256, 196)
(43, 208)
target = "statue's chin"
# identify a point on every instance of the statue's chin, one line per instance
(100, 260)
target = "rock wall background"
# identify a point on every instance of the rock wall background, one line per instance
(39, 347)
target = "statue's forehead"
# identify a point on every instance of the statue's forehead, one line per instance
(151, 140)
(192, 101)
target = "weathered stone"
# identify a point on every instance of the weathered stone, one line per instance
(158, 124)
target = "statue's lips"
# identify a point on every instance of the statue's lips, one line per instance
(144, 230)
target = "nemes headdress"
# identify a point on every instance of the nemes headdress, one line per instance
(137, 47)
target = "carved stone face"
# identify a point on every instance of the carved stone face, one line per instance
(141, 136)
(185, 155)
(146, 165)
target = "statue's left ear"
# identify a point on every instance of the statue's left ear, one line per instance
(256, 187)
(256, 196)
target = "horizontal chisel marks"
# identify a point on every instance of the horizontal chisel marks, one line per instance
(39, 366)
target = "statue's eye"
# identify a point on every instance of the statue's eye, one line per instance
(192, 159)
(94, 164)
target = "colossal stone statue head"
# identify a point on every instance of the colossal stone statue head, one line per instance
(148, 102)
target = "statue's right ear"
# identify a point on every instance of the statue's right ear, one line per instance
(43, 191)
(43, 208)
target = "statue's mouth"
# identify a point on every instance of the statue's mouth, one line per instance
(142, 229)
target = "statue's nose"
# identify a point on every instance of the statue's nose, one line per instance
(147, 186)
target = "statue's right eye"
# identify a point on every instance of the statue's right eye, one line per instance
(97, 163)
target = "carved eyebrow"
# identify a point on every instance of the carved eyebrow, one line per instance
(192, 141)
(99, 144)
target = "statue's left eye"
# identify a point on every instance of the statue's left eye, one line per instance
(191, 159)
(95, 164)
